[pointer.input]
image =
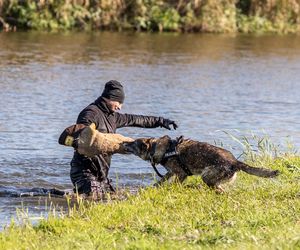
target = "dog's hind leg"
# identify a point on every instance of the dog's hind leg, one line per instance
(214, 177)
(211, 176)
(215, 186)
(219, 189)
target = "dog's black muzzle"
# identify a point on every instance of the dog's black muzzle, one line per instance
(130, 147)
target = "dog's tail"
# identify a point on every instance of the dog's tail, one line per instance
(261, 172)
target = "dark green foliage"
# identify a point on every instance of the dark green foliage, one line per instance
(244, 6)
(222, 16)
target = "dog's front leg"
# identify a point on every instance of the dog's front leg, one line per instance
(180, 177)
(166, 178)
(171, 178)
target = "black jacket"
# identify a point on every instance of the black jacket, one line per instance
(107, 122)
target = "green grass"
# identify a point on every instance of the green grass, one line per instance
(253, 213)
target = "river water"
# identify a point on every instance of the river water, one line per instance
(207, 83)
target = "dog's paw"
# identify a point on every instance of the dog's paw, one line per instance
(219, 190)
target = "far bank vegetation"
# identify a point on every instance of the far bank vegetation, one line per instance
(215, 16)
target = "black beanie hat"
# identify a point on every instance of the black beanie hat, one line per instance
(114, 91)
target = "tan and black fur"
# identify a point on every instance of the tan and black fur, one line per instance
(216, 165)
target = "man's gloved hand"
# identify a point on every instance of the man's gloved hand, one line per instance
(166, 123)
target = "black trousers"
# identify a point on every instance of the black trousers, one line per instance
(89, 175)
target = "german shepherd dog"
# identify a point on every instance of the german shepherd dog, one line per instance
(183, 157)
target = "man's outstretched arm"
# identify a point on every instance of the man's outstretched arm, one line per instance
(129, 120)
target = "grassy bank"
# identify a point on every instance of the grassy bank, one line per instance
(254, 213)
(219, 16)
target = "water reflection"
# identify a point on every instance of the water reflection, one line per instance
(132, 48)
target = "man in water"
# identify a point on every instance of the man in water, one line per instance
(89, 175)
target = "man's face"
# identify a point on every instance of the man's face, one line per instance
(113, 105)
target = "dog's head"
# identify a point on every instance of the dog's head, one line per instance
(149, 149)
